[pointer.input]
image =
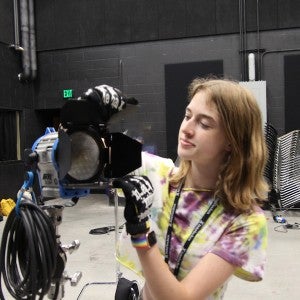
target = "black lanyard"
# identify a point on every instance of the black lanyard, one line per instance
(192, 235)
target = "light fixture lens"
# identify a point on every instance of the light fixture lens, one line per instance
(85, 155)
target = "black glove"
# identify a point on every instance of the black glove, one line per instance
(138, 193)
(110, 100)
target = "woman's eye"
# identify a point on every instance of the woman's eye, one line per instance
(187, 117)
(203, 125)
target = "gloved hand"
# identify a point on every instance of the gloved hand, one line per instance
(110, 100)
(138, 193)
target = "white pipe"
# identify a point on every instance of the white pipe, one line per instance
(251, 66)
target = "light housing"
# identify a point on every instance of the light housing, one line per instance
(83, 154)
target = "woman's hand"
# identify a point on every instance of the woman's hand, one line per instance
(138, 192)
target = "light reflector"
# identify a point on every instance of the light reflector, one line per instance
(85, 155)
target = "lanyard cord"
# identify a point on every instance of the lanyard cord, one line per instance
(170, 226)
(192, 235)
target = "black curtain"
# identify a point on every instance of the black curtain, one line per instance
(8, 133)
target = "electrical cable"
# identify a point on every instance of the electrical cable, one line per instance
(28, 252)
(284, 227)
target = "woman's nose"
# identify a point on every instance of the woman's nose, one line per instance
(187, 127)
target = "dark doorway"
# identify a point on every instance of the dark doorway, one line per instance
(177, 79)
(291, 86)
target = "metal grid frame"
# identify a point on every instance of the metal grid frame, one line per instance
(286, 179)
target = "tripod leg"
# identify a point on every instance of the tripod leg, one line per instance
(116, 202)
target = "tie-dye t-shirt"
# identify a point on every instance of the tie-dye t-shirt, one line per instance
(240, 239)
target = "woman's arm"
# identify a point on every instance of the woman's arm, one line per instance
(210, 273)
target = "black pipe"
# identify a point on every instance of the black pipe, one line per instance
(32, 46)
(275, 51)
(241, 39)
(258, 39)
(26, 75)
(16, 46)
(16, 24)
(28, 41)
(245, 40)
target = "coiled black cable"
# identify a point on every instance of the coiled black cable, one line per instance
(28, 252)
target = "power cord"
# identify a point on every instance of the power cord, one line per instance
(293, 226)
(28, 252)
(284, 227)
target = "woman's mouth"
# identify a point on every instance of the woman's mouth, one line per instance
(185, 143)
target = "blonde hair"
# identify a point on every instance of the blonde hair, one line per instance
(241, 183)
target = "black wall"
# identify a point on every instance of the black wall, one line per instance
(69, 23)
(128, 43)
(13, 96)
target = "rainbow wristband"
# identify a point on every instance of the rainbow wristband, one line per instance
(140, 242)
(144, 241)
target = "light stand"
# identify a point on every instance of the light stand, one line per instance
(55, 214)
(80, 156)
(118, 272)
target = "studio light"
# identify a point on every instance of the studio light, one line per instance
(85, 156)
(82, 154)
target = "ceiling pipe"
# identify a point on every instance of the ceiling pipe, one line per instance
(24, 23)
(258, 39)
(274, 52)
(32, 38)
(28, 41)
(16, 45)
(241, 39)
(245, 39)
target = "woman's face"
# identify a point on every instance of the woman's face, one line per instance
(201, 135)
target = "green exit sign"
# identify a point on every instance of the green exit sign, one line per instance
(68, 93)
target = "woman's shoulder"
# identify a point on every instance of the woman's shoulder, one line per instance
(157, 164)
(254, 222)
(156, 158)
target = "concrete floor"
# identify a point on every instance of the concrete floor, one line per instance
(95, 256)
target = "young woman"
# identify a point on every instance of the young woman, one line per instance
(196, 225)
